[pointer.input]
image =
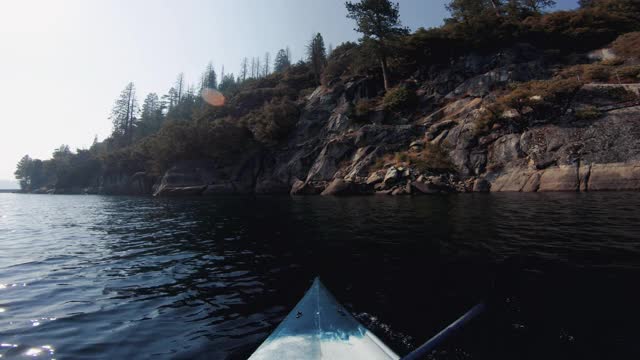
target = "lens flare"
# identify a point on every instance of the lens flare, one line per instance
(213, 97)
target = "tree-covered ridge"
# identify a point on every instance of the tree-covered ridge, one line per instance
(226, 117)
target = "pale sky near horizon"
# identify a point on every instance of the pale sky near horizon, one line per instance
(63, 62)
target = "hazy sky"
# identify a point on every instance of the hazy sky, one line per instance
(63, 62)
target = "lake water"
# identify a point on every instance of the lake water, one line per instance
(91, 277)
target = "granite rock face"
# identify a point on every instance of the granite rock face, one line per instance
(330, 151)
(614, 177)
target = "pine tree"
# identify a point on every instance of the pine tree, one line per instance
(151, 116)
(537, 6)
(469, 11)
(123, 114)
(180, 87)
(170, 99)
(379, 22)
(228, 84)
(282, 61)
(209, 78)
(317, 55)
(464, 11)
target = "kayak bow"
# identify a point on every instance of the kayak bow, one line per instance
(320, 328)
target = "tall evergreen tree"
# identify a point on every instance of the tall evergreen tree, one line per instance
(170, 99)
(209, 78)
(538, 6)
(180, 86)
(228, 84)
(379, 22)
(150, 106)
(23, 172)
(317, 55)
(469, 11)
(123, 114)
(151, 116)
(464, 11)
(282, 61)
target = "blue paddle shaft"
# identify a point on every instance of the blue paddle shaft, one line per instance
(430, 345)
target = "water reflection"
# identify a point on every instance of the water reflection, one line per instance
(200, 278)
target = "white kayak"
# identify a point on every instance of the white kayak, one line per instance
(320, 328)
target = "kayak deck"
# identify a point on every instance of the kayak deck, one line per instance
(320, 328)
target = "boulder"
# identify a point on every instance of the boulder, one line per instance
(616, 176)
(393, 175)
(424, 188)
(505, 150)
(306, 188)
(511, 181)
(186, 178)
(481, 85)
(338, 187)
(438, 128)
(361, 162)
(328, 161)
(375, 178)
(562, 178)
(533, 183)
(481, 185)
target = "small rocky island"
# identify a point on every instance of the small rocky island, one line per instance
(545, 102)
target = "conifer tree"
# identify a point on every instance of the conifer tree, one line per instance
(379, 22)
(317, 55)
(209, 78)
(123, 114)
(282, 61)
(180, 87)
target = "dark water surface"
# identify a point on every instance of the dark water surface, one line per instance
(89, 277)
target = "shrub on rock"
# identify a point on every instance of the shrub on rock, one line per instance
(398, 99)
(628, 46)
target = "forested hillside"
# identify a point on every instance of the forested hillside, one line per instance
(454, 108)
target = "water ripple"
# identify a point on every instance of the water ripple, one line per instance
(116, 277)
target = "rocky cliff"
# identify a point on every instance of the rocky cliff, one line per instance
(441, 142)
